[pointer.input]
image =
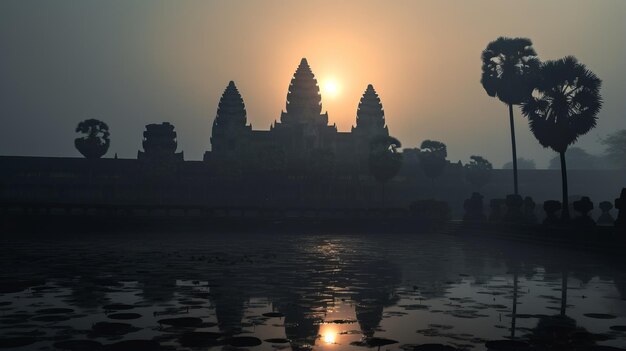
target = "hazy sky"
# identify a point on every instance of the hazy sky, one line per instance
(130, 63)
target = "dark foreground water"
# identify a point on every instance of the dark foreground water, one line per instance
(329, 292)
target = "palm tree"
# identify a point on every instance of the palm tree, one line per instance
(95, 142)
(509, 70)
(384, 159)
(565, 105)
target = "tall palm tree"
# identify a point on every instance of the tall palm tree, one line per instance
(385, 159)
(509, 70)
(564, 106)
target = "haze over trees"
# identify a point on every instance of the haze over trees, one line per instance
(522, 163)
(509, 71)
(577, 158)
(564, 106)
(478, 171)
(432, 158)
(95, 141)
(615, 151)
(385, 159)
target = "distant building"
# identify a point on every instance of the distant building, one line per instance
(159, 143)
(303, 132)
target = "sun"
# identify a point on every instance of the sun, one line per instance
(331, 88)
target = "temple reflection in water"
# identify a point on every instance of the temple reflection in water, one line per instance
(314, 291)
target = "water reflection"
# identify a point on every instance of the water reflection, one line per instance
(306, 292)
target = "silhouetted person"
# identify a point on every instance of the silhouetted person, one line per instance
(529, 210)
(606, 218)
(551, 207)
(514, 208)
(583, 206)
(496, 206)
(474, 208)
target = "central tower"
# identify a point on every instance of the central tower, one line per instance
(304, 102)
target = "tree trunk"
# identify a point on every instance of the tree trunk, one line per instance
(513, 149)
(565, 210)
(383, 200)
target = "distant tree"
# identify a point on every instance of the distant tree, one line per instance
(615, 144)
(509, 70)
(385, 159)
(564, 106)
(576, 158)
(478, 171)
(522, 163)
(433, 158)
(95, 140)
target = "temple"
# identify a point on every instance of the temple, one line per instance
(302, 135)
(159, 143)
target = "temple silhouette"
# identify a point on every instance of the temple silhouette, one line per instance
(303, 132)
(302, 166)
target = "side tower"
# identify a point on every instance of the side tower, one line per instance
(370, 116)
(159, 143)
(370, 123)
(230, 130)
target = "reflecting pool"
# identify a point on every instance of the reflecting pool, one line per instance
(263, 291)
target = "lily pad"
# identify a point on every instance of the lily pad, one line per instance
(134, 345)
(54, 311)
(108, 328)
(118, 307)
(342, 321)
(125, 316)
(200, 339)
(377, 342)
(273, 314)
(78, 345)
(50, 318)
(434, 347)
(277, 341)
(506, 345)
(185, 322)
(600, 315)
(8, 343)
(244, 341)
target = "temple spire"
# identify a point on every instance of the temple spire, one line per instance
(370, 116)
(230, 120)
(231, 111)
(304, 101)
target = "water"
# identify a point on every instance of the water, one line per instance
(328, 292)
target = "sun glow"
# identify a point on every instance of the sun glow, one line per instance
(331, 88)
(330, 336)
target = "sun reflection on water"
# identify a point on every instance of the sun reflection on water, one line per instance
(329, 336)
